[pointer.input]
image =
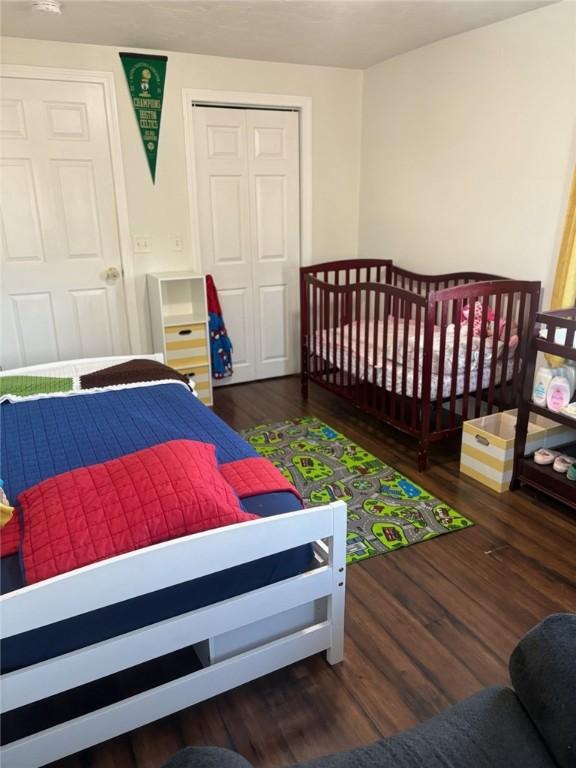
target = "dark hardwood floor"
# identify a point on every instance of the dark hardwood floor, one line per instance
(426, 626)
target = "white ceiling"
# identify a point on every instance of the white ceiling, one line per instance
(338, 33)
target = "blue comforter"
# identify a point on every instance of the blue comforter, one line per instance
(43, 438)
(40, 439)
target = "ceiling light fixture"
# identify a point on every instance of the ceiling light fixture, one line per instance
(47, 6)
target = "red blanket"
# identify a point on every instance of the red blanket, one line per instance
(160, 493)
(247, 477)
(93, 513)
(250, 477)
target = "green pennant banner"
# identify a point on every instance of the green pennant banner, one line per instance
(145, 76)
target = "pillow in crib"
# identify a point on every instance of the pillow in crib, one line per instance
(478, 313)
(93, 513)
(493, 326)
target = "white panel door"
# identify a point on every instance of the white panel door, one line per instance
(224, 222)
(58, 225)
(274, 180)
(248, 190)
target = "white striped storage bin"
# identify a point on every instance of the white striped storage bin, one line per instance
(186, 346)
(488, 445)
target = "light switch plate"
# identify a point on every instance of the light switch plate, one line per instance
(142, 244)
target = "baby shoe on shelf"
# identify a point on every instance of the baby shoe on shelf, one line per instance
(571, 473)
(545, 456)
(563, 463)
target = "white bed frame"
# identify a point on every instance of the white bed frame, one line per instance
(236, 640)
(78, 367)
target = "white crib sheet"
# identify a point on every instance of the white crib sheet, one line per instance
(343, 356)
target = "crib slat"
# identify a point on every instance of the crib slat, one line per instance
(441, 363)
(326, 327)
(304, 335)
(318, 335)
(504, 387)
(468, 356)
(310, 323)
(322, 340)
(393, 395)
(367, 310)
(334, 367)
(326, 295)
(384, 393)
(481, 353)
(494, 364)
(406, 318)
(348, 318)
(357, 317)
(418, 320)
(343, 300)
(457, 310)
(376, 351)
(516, 381)
(338, 275)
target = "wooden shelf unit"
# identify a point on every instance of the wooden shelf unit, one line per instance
(179, 314)
(560, 325)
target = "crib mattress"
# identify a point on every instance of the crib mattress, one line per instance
(390, 375)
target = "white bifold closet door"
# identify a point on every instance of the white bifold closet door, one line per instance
(248, 193)
(58, 225)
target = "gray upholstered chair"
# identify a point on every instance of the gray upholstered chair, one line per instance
(532, 726)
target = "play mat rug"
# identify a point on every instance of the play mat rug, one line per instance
(386, 511)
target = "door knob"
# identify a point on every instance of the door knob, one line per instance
(112, 274)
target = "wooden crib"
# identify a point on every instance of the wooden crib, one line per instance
(398, 345)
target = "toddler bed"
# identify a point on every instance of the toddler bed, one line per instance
(422, 353)
(248, 598)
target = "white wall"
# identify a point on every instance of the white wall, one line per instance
(468, 149)
(161, 212)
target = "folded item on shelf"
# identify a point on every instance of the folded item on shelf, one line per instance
(569, 410)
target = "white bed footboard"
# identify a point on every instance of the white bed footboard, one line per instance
(285, 622)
